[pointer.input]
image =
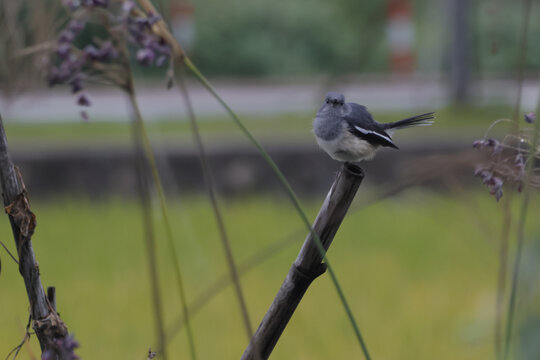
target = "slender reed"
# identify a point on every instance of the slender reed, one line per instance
(521, 234)
(503, 272)
(507, 220)
(149, 240)
(507, 213)
(140, 130)
(233, 270)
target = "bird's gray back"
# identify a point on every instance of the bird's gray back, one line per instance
(356, 114)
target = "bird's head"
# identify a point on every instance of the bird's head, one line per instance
(334, 99)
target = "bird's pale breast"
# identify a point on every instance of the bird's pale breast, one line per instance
(348, 148)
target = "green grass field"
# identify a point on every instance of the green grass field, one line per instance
(419, 271)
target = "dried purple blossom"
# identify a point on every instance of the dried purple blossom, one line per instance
(495, 187)
(66, 36)
(72, 4)
(520, 164)
(83, 99)
(494, 144)
(107, 51)
(57, 76)
(63, 348)
(76, 83)
(91, 52)
(494, 183)
(150, 45)
(127, 6)
(530, 117)
(161, 48)
(477, 144)
(76, 26)
(141, 22)
(145, 56)
(153, 18)
(161, 60)
(96, 3)
(102, 3)
(69, 64)
(48, 354)
(63, 50)
(84, 116)
(53, 77)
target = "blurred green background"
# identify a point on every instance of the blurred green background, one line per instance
(429, 290)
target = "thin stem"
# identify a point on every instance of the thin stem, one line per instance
(521, 236)
(521, 58)
(141, 131)
(523, 212)
(215, 207)
(9, 252)
(149, 240)
(164, 212)
(290, 192)
(502, 275)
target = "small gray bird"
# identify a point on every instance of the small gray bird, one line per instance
(347, 131)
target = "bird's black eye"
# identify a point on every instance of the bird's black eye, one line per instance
(328, 101)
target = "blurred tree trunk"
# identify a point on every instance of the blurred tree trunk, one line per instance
(460, 62)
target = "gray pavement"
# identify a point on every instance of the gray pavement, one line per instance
(265, 97)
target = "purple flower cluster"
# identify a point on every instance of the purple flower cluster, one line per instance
(505, 166)
(492, 144)
(63, 348)
(493, 182)
(71, 62)
(529, 117)
(75, 4)
(76, 66)
(105, 53)
(152, 49)
(489, 175)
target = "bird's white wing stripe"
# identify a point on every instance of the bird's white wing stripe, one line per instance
(367, 132)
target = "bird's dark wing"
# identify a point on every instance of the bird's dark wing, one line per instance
(362, 125)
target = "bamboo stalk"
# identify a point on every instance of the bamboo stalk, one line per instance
(308, 265)
(45, 321)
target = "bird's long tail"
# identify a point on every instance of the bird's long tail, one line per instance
(418, 120)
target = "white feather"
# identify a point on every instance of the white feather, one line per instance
(370, 132)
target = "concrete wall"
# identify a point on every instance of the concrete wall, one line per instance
(237, 170)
